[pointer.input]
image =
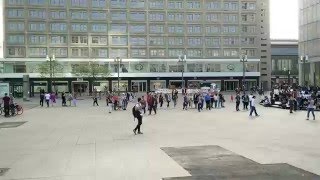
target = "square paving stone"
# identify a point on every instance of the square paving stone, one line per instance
(3, 171)
(11, 124)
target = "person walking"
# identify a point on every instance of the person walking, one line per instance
(200, 104)
(95, 101)
(6, 105)
(245, 101)
(161, 100)
(53, 98)
(143, 104)
(63, 97)
(207, 98)
(137, 114)
(153, 104)
(253, 106)
(47, 96)
(175, 99)
(41, 98)
(168, 99)
(185, 102)
(196, 100)
(109, 102)
(291, 103)
(238, 102)
(310, 108)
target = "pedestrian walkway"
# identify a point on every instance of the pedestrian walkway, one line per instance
(88, 143)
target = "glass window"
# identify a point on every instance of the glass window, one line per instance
(56, 14)
(158, 67)
(194, 52)
(118, 16)
(79, 15)
(138, 52)
(248, 5)
(212, 29)
(37, 2)
(37, 26)
(193, 17)
(15, 26)
(156, 4)
(176, 41)
(99, 3)
(58, 2)
(37, 39)
(137, 16)
(193, 5)
(212, 67)
(212, 41)
(213, 17)
(123, 53)
(79, 52)
(230, 18)
(175, 29)
(101, 40)
(15, 2)
(141, 28)
(194, 67)
(79, 39)
(156, 41)
(136, 3)
(79, 3)
(248, 29)
(119, 40)
(99, 27)
(38, 52)
(59, 52)
(248, 40)
(248, 18)
(250, 52)
(231, 41)
(175, 52)
(194, 29)
(157, 52)
(175, 5)
(195, 41)
(156, 16)
(213, 5)
(98, 15)
(230, 29)
(37, 14)
(15, 39)
(16, 51)
(231, 52)
(15, 13)
(58, 27)
(138, 41)
(118, 3)
(118, 28)
(100, 52)
(231, 6)
(175, 16)
(79, 27)
(156, 28)
(213, 53)
(58, 39)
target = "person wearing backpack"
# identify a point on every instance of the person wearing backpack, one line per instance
(136, 111)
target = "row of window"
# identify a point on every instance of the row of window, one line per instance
(133, 28)
(133, 41)
(141, 4)
(133, 16)
(103, 52)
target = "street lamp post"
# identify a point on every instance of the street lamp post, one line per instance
(304, 60)
(50, 60)
(244, 59)
(183, 60)
(118, 60)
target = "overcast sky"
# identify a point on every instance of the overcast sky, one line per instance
(284, 19)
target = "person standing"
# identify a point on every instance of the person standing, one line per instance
(245, 101)
(6, 104)
(208, 100)
(53, 98)
(196, 100)
(63, 97)
(153, 104)
(109, 102)
(310, 108)
(185, 102)
(253, 106)
(47, 96)
(137, 114)
(238, 102)
(95, 101)
(41, 98)
(174, 99)
(168, 99)
(143, 104)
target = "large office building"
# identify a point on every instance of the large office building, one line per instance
(210, 36)
(309, 42)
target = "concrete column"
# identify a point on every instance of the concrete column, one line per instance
(311, 73)
(301, 74)
(26, 88)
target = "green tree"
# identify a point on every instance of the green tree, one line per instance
(91, 70)
(46, 71)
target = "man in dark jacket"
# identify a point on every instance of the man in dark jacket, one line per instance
(238, 102)
(153, 104)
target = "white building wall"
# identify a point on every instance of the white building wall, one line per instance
(1, 28)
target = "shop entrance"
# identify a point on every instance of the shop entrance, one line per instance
(231, 85)
(139, 86)
(80, 87)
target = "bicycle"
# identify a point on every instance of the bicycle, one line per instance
(16, 110)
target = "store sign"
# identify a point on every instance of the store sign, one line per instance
(4, 88)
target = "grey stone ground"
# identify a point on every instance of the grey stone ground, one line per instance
(87, 143)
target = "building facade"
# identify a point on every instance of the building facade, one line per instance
(284, 62)
(148, 35)
(309, 42)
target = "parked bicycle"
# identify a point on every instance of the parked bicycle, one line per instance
(15, 110)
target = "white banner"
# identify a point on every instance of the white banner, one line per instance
(4, 88)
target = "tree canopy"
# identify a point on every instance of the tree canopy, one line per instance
(91, 70)
(44, 69)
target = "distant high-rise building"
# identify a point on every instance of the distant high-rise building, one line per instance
(309, 42)
(148, 35)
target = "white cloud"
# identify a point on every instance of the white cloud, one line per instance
(284, 19)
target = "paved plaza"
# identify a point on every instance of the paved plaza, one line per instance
(88, 143)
